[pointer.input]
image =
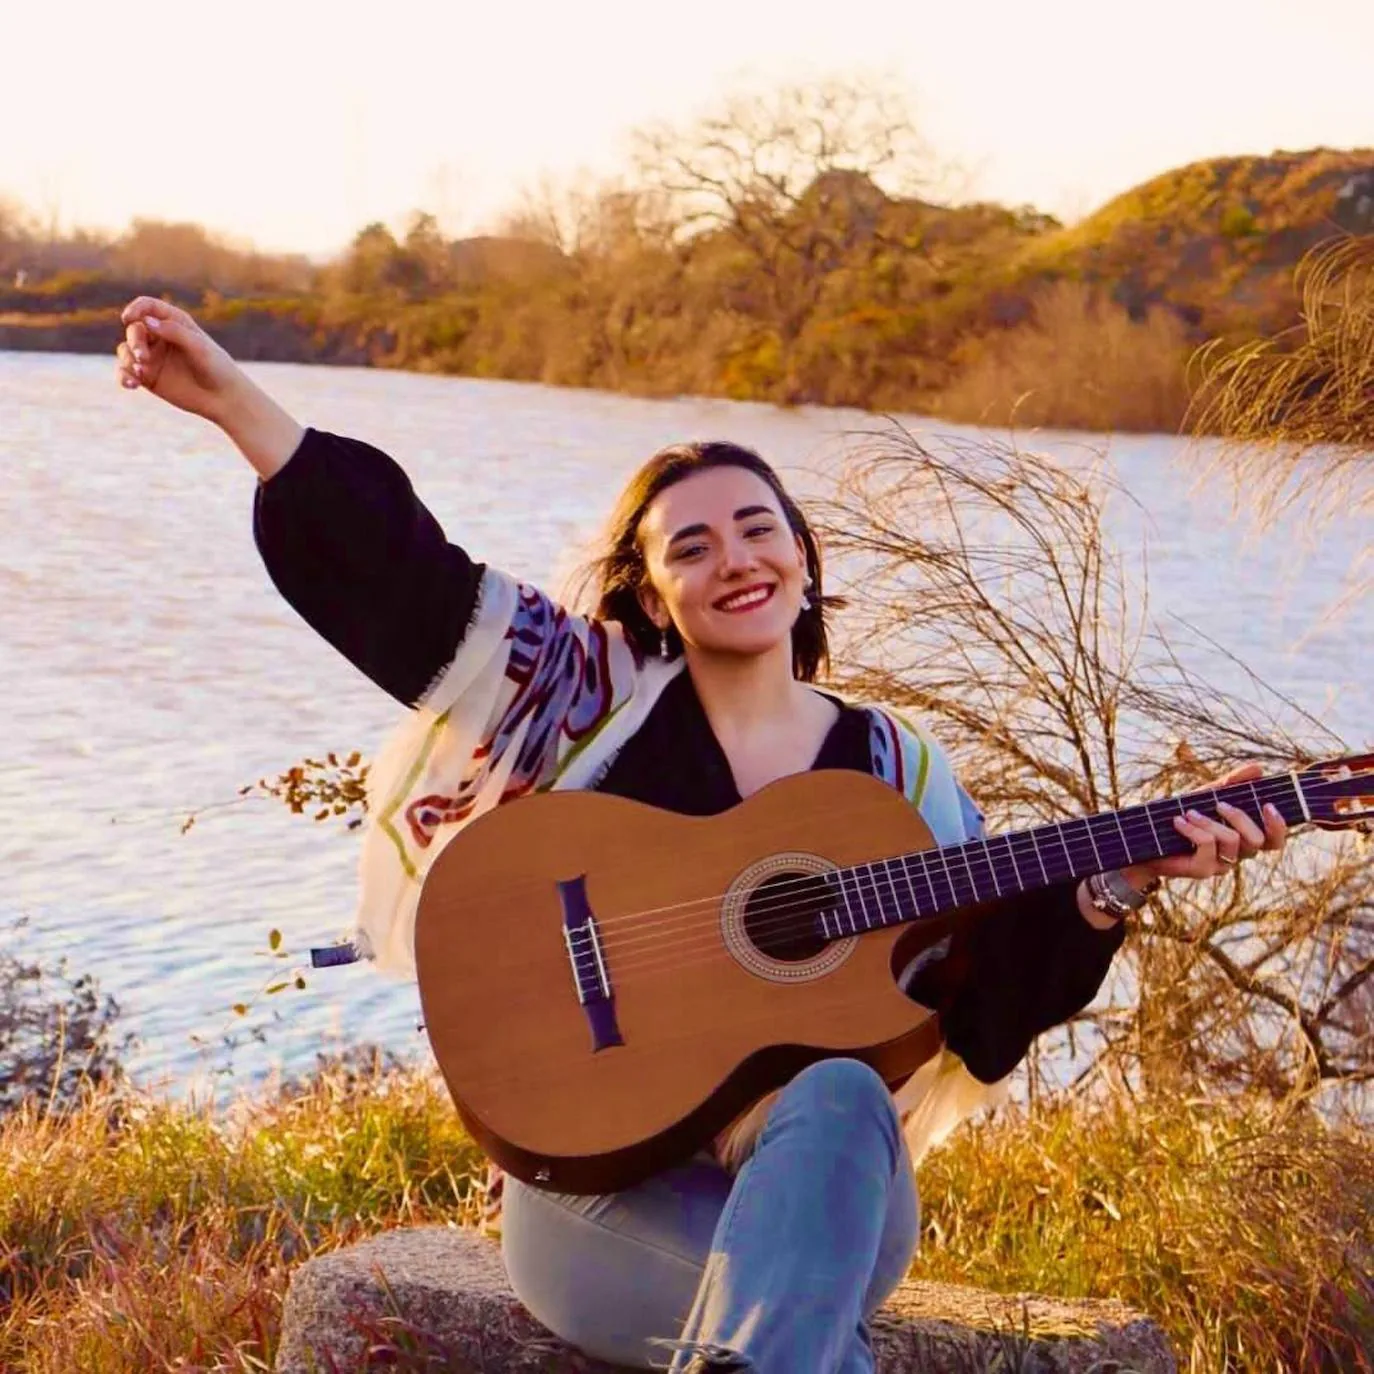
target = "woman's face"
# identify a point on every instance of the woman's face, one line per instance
(724, 566)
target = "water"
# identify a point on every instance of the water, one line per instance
(149, 669)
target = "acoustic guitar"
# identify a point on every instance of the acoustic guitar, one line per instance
(606, 985)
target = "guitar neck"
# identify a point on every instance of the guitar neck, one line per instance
(933, 882)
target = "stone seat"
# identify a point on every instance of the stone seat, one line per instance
(441, 1294)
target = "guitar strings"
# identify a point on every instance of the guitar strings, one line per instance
(779, 907)
(668, 952)
(783, 913)
(927, 858)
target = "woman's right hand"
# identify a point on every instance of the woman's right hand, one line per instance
(166, 352)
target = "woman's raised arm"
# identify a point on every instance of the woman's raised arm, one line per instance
(339, 527)
(166, 352)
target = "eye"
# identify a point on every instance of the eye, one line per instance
(758, 529)
(689, 550)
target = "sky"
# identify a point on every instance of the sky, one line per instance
(290, 124)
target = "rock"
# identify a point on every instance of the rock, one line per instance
(441, 1294)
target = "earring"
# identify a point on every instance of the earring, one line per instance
(664, 652)
(808, 601)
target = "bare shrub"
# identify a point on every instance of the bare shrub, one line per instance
(986, 596)
(57, 1033)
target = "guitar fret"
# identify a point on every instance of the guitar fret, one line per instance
(1125, 843)
(1093, 841)
(1149, 816)
(949, 877)
(1071, 867)
(877, 895)
(992, 867)
(939, 870)
(863, 897)
(843, 893)
(973, 882)
(1035, 845)
(892, 888)
(925, 873)
(910, 887)
(870, 892)
(878, 879)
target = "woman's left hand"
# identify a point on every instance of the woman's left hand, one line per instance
(1218, 844)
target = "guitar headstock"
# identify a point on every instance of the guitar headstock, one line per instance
(1339, 793)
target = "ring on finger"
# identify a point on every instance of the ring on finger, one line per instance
(1230, 860)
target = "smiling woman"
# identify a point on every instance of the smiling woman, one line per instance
(689, 687)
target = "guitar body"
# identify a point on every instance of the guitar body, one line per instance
(715, 998)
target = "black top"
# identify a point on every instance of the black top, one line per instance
(350, 546)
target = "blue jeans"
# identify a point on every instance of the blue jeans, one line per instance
(781, 1265)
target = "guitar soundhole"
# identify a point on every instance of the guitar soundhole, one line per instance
(780, 916)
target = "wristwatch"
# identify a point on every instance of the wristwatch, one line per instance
(1112, 895)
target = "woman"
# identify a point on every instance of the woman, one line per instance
(689, 689)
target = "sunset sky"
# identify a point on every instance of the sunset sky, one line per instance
(292, 124)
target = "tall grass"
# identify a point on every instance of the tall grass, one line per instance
(1246, 1231)
(1080, 362)
(143, 1235)
(1298, 408)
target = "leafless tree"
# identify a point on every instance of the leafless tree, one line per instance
(794, 178)
(986, 596)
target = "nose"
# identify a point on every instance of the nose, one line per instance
(736, 556)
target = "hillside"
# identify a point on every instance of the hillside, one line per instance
(840, 295)
(1214, 241)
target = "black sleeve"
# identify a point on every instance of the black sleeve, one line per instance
(1014, 969)
(351, 547)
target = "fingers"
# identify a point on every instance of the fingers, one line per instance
(127, 372)
(1216, 846)
(136, 341)
(1275, 827)
(183, 333)
(150, 307)
(1219, 845)
(1251, 837)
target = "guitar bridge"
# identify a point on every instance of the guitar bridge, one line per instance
(590, 976)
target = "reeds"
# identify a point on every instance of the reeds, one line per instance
(1297, 410)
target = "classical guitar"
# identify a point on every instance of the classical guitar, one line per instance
(606, 985)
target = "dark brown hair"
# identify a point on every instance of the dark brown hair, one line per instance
(616, 574)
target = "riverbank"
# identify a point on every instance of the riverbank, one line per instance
(137, 1234)
(841, 295)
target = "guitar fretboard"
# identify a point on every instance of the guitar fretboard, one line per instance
(931, 882)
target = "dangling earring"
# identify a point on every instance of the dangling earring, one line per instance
(664, 652)
(808, 601)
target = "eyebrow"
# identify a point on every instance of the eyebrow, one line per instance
(743, 513)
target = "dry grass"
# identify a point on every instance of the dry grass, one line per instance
(1081, 362)
(141, 1236)
(1245, 1230)
(1298, 409)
